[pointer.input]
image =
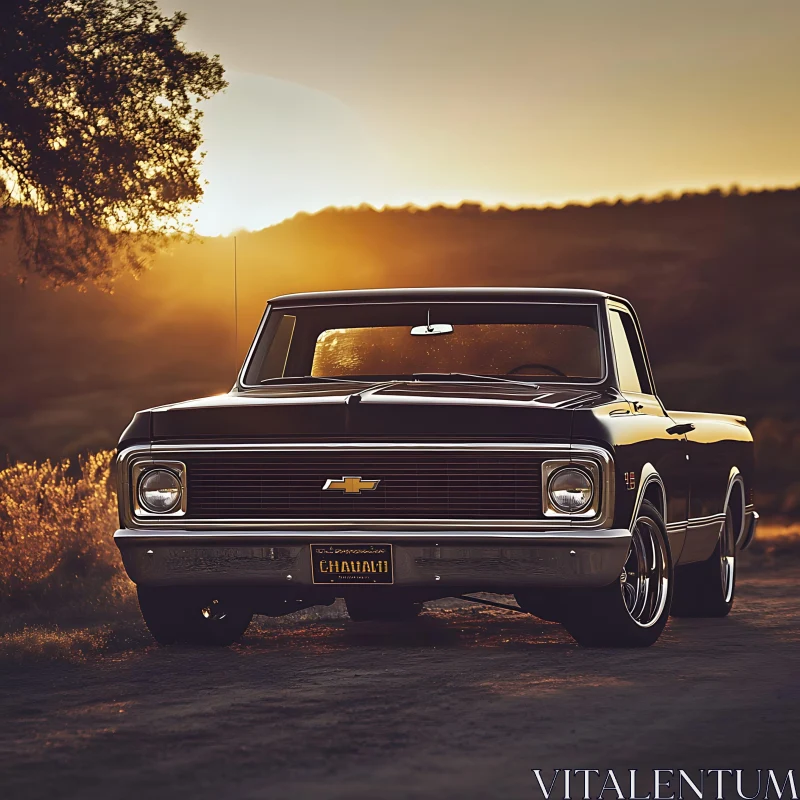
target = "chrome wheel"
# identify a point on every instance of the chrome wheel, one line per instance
(633, 610)
(644, 581)
(707, 588)
(727, 558)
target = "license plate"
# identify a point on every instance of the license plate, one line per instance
(352, 563)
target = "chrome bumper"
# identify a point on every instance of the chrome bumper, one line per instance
(571, 558)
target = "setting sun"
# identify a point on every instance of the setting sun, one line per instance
(275, 148)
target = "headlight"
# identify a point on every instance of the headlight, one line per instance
(160, 491)
(570, 490)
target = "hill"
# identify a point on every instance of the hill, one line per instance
(713, 276)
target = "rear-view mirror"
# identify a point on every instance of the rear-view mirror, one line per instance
(432, 330)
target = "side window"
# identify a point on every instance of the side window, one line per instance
(269, 360)
(275, 361)
(631, 365)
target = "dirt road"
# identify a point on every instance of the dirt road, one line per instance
(462, 704)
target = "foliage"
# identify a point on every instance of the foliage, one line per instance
(56, 532)
(99, 132)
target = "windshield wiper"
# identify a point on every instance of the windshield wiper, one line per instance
(434, 376)
(457, 375)
(312, 379)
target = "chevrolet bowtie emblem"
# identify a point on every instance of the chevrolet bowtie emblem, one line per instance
(350, 485)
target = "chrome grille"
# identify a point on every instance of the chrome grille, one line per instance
(417, 485)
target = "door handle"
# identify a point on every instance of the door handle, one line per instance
(679, 430)
(637, 406)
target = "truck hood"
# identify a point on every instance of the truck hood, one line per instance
(396, 410)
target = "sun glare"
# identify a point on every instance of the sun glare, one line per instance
(275, 148)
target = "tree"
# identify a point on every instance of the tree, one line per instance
(99, 133)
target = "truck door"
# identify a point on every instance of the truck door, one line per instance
(651, 439)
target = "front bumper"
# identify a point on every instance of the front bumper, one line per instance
(496, 562)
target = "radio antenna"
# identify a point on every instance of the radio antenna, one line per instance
(235, 308)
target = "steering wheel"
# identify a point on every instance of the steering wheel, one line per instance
(521, 367)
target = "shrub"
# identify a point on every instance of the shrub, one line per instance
(56, 529)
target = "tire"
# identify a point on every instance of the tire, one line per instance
(176, 615)
(707, 589)
(366, 610)
(633, 610)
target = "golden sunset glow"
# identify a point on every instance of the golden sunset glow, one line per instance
(503, 103)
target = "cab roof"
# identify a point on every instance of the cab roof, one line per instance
(443, 294)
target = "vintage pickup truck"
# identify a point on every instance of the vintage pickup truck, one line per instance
(398, 446)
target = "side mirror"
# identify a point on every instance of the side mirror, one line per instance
(437, 329)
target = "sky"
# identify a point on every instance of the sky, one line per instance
(388, 102)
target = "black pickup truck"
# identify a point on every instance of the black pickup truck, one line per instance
(398, 446)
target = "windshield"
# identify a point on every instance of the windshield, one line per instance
(524, 341)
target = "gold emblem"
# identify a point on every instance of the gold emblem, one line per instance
(350, 484)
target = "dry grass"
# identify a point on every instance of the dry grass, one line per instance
(56, 528)
(775, 546)
(776, 530)
(63, 591)
(37, 643)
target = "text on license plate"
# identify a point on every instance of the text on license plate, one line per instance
(352, 563)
